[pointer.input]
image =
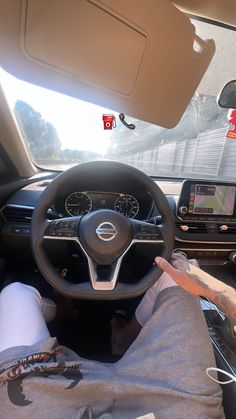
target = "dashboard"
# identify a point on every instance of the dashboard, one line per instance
(204, 212)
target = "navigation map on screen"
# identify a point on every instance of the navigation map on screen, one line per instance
(212, 199)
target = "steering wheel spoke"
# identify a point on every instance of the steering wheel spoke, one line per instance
(103, 278)
(146, 233)
(62, 229)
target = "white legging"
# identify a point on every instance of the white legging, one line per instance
(21, 316)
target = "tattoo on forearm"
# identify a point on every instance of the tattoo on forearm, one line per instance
(225, 299)
(221, 294)
(199, 281)
(227, 303)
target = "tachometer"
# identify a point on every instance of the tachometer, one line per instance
(78, 203)
(127, 205)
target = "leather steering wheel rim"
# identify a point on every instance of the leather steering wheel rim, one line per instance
(39, 224)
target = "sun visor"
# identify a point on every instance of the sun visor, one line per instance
(140, 58)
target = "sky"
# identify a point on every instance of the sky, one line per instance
(79, 124)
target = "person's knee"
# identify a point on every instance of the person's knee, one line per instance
(166, 281)
(16, 290)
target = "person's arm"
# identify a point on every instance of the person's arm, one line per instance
(198, 282)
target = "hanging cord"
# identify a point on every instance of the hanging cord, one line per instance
(231, 376)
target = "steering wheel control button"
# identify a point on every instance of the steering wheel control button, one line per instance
(62, 228)
(146, 232)
(106, 231)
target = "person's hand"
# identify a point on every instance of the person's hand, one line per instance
(197, 282)
(179, 260)
(187, 274)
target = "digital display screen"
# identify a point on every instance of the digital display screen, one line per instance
(207, 199)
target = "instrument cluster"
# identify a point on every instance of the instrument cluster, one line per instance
(81, 203)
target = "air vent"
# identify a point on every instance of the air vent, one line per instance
(192, 228)
(18, 214)
(226, 229)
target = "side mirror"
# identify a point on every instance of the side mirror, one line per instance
(227, 97)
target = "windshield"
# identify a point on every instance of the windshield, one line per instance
(60, 131)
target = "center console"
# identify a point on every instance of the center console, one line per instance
(224, 345)
(206, 221)
(208, 201)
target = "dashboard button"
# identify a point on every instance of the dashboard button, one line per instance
(223, 227)
(24, 231)
(212, 228)
(184, 227)
(183, 210)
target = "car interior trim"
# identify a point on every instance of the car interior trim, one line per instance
(10, 129)
(205, 249)
(222, 355)
(110, 285)
(201, 241)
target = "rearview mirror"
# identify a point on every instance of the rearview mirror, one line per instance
(227, 97)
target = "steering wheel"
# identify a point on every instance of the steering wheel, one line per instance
(104, 236)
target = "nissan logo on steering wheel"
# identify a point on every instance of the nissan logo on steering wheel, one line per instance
(106, 231)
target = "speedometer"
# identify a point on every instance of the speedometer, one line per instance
(127, 205)
(78, 203)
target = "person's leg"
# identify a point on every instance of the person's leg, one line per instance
(124, 334)
(145, 308)
(21, 316)
(169, 358)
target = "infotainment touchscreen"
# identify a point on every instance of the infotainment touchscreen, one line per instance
(211, 199)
